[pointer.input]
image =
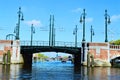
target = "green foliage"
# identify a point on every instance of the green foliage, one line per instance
(115, 42)
(42, 56)
(65, 57)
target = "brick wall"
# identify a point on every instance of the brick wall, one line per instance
(104, 50)
(5, 45)
(11, 45)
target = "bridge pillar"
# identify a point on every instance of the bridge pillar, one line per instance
(83, 57)
(77, 61)
(27, 57)
(85, 47)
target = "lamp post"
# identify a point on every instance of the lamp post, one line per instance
(32, 32)
(54, 36)
(82, 19)
(92, 33)
(75, 33)
(107, 21)
(20, 18)
(50, 32)
(53, 31)
(10, 36)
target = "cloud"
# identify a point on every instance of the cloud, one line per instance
(77, 10)
(115, 17)
(89, 19)
(34, 22)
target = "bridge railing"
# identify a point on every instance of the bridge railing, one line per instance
(34, 43)
(114, 46)
(46, 43)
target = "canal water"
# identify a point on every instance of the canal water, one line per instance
(57, 71)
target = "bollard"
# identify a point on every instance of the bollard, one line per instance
(92, 60)
(4, 58)
(8, 57)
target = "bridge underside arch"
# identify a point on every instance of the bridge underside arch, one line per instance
(27, 53)
(115, 57)
(68, 50)
(115, 60)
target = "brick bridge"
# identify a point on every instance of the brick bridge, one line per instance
(103, 51)
(27, 50)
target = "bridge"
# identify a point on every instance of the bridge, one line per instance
(28, 49)
(103, 51)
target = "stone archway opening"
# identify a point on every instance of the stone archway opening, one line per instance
(115, 61)
(52, 56)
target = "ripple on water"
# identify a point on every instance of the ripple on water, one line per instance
(53, 71)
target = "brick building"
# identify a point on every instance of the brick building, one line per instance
(103, 51)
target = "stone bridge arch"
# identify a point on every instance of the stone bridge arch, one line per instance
(115, 60)
(27, 52)
(114, 57)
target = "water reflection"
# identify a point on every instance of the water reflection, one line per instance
(99, 73)
(5, 72)
(57, 71)
(53, 71)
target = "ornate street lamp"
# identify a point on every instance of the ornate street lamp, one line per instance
(20, 18)
(10, 36)
(107, 21)
(32, 32)
(51, 31)
(82, 19)
(92, 33)
(75, 33)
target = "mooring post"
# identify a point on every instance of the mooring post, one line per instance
(8, 57)
(4, 58)
(92, 60)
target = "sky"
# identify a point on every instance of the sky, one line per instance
(67, 15)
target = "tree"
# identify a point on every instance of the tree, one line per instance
(115, 42)
(42, 56)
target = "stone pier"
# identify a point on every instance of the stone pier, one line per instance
(14, 47)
